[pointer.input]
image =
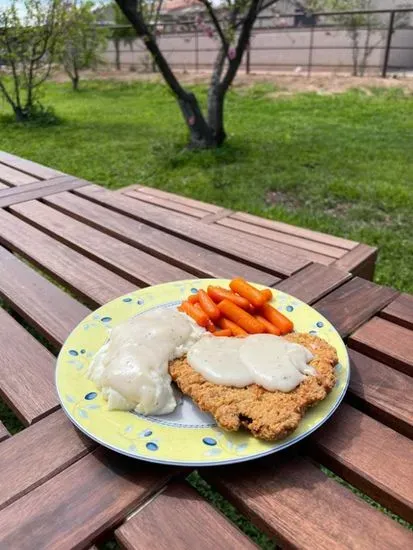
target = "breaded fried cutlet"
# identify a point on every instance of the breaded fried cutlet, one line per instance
(268, 415)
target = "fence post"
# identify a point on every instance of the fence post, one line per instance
(310, 52)
(248, 59)
(388, 44)
(196, 50)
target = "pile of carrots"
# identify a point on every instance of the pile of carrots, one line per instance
(237, 312)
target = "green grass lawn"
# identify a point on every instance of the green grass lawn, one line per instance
(342, 164)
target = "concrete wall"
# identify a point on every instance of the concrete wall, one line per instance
(277, 49)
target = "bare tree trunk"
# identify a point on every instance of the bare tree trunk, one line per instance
(201, 136)
(216, 97)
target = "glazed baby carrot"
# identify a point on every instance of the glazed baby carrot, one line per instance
(194, 311)
(270, 328)
(193, 299)
(244, 289)
(240, 317)
(210, 326)
(223, 332)
(267, 294)
(218, 294)
(233, 327)
(276, 318)
(209, 306)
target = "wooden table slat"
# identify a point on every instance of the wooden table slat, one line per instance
(295, 502)
(14, 177)
(382, 392)
(26, 372)
(3, 186)
(354, 303)
(289, 229)
(50, 310)
(253, 251)
(392, 344)
(16, 195)
(179, 519)
(4, 433)
(129, 262)
(400, 311)
(175, 206)
(370, 456)
(327, 252)
(360, 261)
(313, 282)
(35, 455)
(28, 167)
(86, 278)
(200, 261)
(90, 497)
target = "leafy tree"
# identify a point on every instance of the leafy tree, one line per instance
(230, 24)
(28, 48)
(81, 41)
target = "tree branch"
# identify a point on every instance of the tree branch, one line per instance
(216, 23)
(129, 9)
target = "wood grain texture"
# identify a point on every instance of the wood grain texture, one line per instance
(354, 303)
(176, 206)
(133, 264)
(35, 455)
(14, 177)
(301, 507)
(400, 311)
(386, 342)
(50, 310)
(188, 256)
(73, 508)
(382, 392)
(370, 456)
(4, 433)
(257, 252)
(183, 521)
(313, 282)
(16, 195)
(26, 372)
(360, 261)
(86, 278)
(212, 218)
(152, 192)
(288, 229)
(28, 167)
(321, 252)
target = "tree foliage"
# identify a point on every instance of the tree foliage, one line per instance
(81, 41)
(29, 37)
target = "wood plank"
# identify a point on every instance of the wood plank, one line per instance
(4, 433)
(176, 206)
(354, 303)
(14, 177)
(227, 241)
(172, 197)
(50, 310)
(26, 372)
(16, 195)
(212, 218)
(87, 499)
(184, 521)
(295, 502)
(386, 342)
(382, 392)
(303, 245)
(189, 256)
(3, 186)
(86, 278)
(313, 282)
(133, 264)
(360, 261)
(288, 229)
(370, 456)
(35, 455)
(28, 167)
(400, 311)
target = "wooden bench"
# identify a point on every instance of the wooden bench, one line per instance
(358, 259)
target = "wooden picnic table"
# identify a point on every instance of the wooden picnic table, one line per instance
(67, 246)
